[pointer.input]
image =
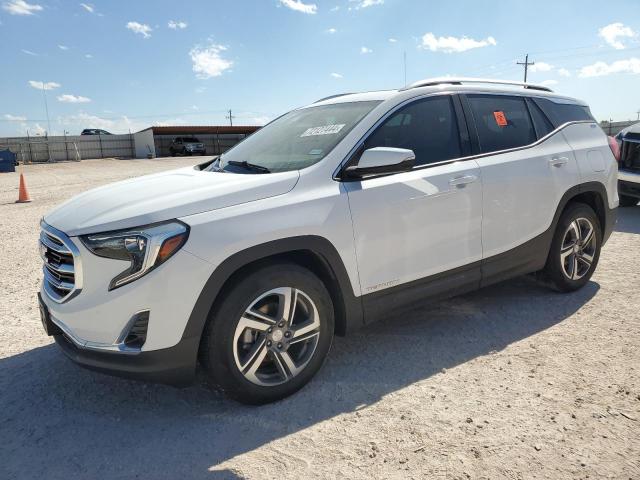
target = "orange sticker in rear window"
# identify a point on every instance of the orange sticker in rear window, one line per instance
(501, 120)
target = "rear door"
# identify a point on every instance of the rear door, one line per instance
(415, 224)
(525, 170)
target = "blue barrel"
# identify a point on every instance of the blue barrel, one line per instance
(7, 161)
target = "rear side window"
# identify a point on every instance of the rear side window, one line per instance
(428, 127)
(540, 121)
(502, 122)
(561, 113)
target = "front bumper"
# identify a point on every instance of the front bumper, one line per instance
(629, 183)
(174, 366)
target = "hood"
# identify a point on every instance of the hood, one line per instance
(163, 196)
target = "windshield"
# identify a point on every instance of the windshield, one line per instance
(190, 140)
(296, 140)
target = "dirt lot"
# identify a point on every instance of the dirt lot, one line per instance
(513, 381)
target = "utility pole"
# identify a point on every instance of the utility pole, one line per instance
(230, 117)
(638, 112)
(526, 64)
(46, 109)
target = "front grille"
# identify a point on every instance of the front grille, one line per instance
(62, 279)
(630, 154)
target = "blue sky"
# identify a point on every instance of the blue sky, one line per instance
(123, 65)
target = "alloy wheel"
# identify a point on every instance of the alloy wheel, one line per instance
(578, 249)
(276, 336)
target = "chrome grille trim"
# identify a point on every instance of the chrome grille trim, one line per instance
(62, 266)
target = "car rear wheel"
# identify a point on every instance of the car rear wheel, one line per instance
(270, 334)
(575, 248)
(626, 201)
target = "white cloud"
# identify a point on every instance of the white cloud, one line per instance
(612, 32)
(335, 9)
(336, 75)
(563, 72)
(29, 52)
(141, 28)
(393, 40)
(331, 30)
(68, 98)
(208, 61)
(37, 129)
(88, 7)
(298, 6)
(453, 44)
(177, 25)
(601, 69)
(549, 83)
(15, 118)
(365, 50)
(366, 3)
(63, 47)
(20, 7)
(45, 86)
(541, 67)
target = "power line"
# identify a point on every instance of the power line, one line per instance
(526, 64)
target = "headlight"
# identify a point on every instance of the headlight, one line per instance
(145, 248)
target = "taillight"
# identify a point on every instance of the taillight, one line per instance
(615, 148)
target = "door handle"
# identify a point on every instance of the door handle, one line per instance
(558, 161)
(462, 181)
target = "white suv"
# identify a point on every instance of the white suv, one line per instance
(330, 217)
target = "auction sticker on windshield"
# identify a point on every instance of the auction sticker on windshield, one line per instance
(323, 130)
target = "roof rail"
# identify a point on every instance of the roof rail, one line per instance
(332, 96)
(430, 82)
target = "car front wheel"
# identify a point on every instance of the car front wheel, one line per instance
(270, 334)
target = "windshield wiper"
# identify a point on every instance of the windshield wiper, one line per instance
(249, 166)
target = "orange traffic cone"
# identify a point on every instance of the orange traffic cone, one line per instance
(23, 195)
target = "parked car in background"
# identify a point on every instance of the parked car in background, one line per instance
(629, 165)
(94, 131)
(187, 146)
(333, 216)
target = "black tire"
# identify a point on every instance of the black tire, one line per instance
(172, 153)
(626, 201)
(554, 269)
(217, 345)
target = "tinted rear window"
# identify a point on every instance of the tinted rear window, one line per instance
(540, 120)
(502, 122)
(561, 113)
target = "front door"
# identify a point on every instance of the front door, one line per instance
(420, 223)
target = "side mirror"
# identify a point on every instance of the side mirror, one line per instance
(382, 160)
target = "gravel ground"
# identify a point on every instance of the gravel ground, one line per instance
(513, 381)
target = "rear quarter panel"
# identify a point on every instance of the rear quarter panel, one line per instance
(595, 160)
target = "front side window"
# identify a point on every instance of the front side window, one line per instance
(503, 122)
(296, 140)
(428, 127)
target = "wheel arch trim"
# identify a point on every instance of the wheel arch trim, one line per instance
(350, 311)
